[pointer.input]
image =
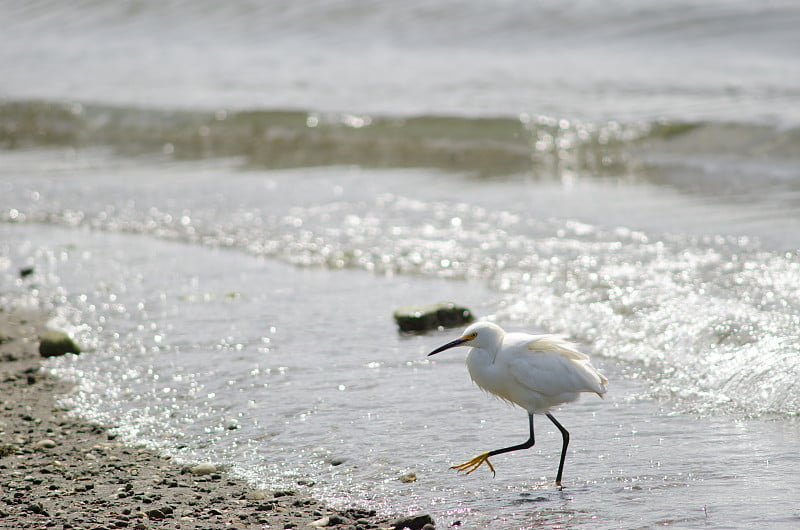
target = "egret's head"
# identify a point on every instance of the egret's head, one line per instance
(479, 335)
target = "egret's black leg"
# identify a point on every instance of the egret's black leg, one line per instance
(526, 445)
(565, 443)
(471, 465)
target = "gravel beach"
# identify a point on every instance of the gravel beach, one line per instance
(60, 472)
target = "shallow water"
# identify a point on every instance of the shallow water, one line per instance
(273, 370)
(261, 336)
(225, 203)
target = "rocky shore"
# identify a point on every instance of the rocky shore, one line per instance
(58, 472)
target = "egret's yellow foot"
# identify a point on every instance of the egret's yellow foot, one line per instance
(471, 465)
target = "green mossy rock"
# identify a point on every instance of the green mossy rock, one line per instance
(56, 343)
(433, 316)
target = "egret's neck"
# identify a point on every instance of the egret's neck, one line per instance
(493, 348)
(485, 355)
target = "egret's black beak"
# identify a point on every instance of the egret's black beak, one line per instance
(457, 342)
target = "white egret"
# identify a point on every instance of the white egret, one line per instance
(536, 372)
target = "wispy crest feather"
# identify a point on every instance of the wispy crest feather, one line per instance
(557, 344)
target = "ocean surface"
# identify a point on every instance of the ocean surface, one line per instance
(224, 202)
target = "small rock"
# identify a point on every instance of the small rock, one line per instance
(206, 468)
(408, 477)
(159, 513)
(413, 522)
(26, 271)
(433, 316)
(56, 343)
(338, 460)
(45, 444)
(8, 450)
(37, 508)
(257, 495)
(319, 523)
(283, 493)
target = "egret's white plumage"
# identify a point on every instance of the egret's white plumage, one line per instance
(536, 372)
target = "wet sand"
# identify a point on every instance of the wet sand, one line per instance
(58, 472)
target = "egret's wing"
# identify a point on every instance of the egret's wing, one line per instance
(551, 366)
(545, 373)
(579, 359)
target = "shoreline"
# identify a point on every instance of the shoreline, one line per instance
(60, 472)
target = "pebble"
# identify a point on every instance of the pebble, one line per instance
(408, 477)
(45, 444)
(159, 513)
(257, 495)
(283, 493)
(413, 522)
(206, 468)
(325, 521)
(8, 449)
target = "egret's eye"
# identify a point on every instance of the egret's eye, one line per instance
(471, 336)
